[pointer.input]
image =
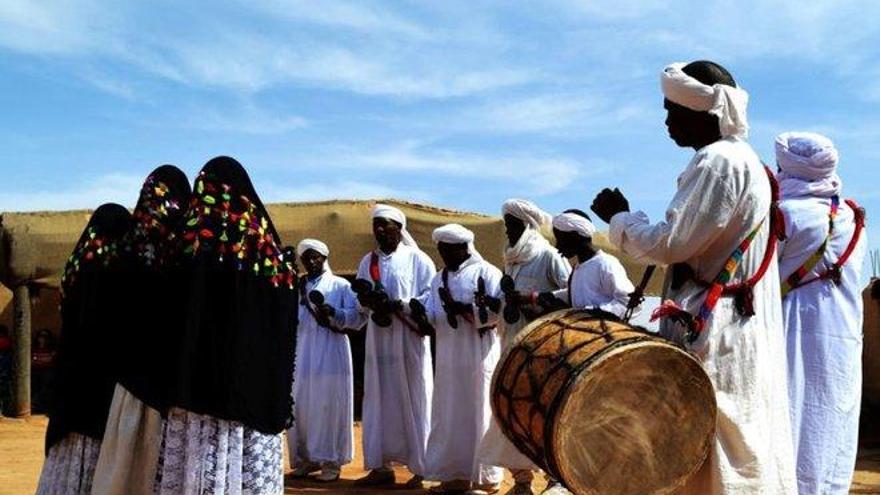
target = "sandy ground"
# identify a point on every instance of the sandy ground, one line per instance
(21, 457)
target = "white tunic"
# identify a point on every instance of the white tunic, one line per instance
(600, 282)
(461, 412)
(824, 335)
(548, 271)
(322, 385)
(398, 380)
(722, 195)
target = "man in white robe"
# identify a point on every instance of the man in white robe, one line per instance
(322, 436)
(723, 196)
(398, 380)
(823, 319)
(535, 266)
(468, 349)
(599, 280)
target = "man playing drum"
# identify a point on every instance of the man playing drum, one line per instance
(723, 300)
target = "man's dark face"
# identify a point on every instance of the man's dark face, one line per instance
(453, 255)
(387, 233)
(689, 128)
(568, 243)
(514, 228)
(313, 262)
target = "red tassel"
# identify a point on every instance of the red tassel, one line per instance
(669, 309)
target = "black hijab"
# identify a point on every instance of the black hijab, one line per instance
(92, 288)
(153, 301)
(237, 336)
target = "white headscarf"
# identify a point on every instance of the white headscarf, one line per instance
(808, 163)
(317, 246)
(392, 213)
(454, 233)
(572, 222)
(526, 211)
(726, 102)
(531, 243)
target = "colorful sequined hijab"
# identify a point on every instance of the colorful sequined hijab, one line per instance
(238, 331)
(94, 286)
(163, 200)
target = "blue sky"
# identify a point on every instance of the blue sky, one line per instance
(456, 103)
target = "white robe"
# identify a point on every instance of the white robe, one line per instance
(722, 195)
(600, 282)
(398, 380)
(322, 385)
(548, 271)
(824, 335)
(461, 413)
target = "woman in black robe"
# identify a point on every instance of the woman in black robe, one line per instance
(130, 448)
(230, 396)
(92, 286)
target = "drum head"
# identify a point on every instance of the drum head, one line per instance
(639, 420)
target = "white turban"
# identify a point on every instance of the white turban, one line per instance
(571, 222)
(725, 102)
(526, 211)
(454, 233)
(808, 164)
(806, 155)
(392, 213)
(315, 245)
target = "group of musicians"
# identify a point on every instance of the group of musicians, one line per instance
(199, 299)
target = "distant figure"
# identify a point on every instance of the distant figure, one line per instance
(322, 436)
(398, 379)
(722, 298)
(92, 289)
(459, 307)
(5, 368)
(820, 267)
(535, 266)
(43, 357)
(152, 301)
(229, 397)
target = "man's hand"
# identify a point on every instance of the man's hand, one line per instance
(609, 203)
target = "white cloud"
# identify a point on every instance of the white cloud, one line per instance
(534, 175)
(85, 194)
(247, 119)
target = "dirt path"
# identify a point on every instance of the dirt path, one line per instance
(21, 457)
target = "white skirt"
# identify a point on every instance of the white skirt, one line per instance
(70, 466)
(130, 449)
(204, 455)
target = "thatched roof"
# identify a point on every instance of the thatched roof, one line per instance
(34, 246)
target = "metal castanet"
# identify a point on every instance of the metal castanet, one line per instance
(604, 407)
(377, 298)
(512, 306)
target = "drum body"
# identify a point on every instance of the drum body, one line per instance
(604, 407)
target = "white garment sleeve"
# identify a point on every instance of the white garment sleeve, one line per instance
(433, 306)
(697, 215)
(615, 283)
(560, 270)
(425, 270)
(349, 315)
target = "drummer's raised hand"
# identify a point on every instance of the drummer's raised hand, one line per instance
(609, 203)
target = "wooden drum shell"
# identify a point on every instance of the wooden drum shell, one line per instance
(604, 407)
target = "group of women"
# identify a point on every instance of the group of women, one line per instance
(164, 311)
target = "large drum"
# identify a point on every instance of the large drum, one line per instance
(604, 407)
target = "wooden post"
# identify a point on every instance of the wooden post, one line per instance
(21, 343)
